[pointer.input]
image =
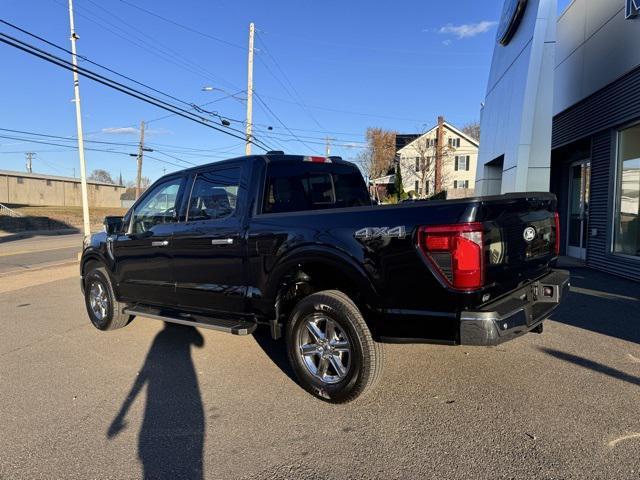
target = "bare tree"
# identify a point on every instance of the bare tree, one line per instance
(472, 129)
(377, 159)
(144, 182)
(100, 175)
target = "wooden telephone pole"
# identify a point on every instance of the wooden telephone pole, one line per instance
(140, 155)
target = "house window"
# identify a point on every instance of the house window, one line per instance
(48, 183)
(20, 180)
(454, 142)
(462, 162)
(417, 186)
(417, 164)
(460, 184)
(432, 142)
(626, 235)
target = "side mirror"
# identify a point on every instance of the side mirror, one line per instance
(112, 225)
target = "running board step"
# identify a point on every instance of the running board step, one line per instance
(233, 326)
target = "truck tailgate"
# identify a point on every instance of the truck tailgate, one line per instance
(520, 237)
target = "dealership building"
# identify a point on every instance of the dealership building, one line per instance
(569, 86)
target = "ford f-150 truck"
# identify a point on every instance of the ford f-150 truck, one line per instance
(294, 243)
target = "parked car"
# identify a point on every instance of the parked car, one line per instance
(294, 243)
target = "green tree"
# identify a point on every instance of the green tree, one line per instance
(397, 185)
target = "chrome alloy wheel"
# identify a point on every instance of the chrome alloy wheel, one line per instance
(324, 348)
(98, 300)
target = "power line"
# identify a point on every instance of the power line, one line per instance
(82, 57)
(155, 48)
(348, 112)
(189, 104)
(37, 52)
(281, 122)
(155, 42)
(299, 98)
(179, 149)
(185, 27)
(75, 147)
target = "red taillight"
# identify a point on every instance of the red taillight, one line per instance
(556, 218)
(457, 253)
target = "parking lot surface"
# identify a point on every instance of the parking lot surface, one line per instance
(175, 402)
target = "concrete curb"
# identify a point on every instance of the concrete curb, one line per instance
(32, 233)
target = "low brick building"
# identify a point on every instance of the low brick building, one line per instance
(20, 188)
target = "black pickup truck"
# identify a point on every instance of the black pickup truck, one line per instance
(294, 243)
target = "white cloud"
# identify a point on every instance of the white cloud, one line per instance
(121, 130)
(135, 131)
(467, 30)
(446, 43)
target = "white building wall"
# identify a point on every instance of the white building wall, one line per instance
(418, 148)
(517, 117)
(596, 45)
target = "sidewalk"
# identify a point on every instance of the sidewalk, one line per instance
(601, 303)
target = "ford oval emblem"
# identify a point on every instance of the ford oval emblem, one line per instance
(529, 234)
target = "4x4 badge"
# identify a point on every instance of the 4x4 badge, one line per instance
(380, 232)
(529, 234)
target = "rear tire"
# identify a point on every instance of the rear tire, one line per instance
(105, 312)
(331, 349)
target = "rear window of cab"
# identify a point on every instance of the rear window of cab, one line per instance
(297, 186)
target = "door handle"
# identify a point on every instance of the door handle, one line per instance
(222, 241)
(162, 243)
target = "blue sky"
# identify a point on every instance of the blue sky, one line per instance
(323, 68)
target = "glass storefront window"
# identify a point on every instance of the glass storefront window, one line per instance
(627, 214)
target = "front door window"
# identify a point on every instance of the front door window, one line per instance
(160, 206)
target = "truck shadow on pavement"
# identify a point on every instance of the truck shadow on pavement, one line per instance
(171, 438)
(274, 349)
(601, 303)
(591, 365)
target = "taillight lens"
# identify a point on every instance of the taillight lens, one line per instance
(556, 219)
(457, 252)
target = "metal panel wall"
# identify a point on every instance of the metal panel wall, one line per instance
(613, 105)
(599, 117)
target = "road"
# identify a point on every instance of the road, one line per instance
(170, 401)
(37, 252)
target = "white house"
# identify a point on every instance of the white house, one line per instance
(427, 168)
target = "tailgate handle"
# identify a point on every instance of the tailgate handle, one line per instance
(159, 243)
(222, 241)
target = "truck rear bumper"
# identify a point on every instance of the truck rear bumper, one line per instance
(515, 314)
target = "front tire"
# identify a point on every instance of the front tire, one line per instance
(105, 312)
(331, 349)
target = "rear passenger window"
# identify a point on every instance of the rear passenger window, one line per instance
(214, 194)
(297, 186)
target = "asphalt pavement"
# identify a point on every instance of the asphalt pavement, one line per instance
(177, 402)
(38, 251)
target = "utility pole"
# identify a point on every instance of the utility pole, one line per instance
(29, 163)
(249, 128)
(328, 146)
(140, 154)
(76, 90)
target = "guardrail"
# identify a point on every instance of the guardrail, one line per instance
(4, 210)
